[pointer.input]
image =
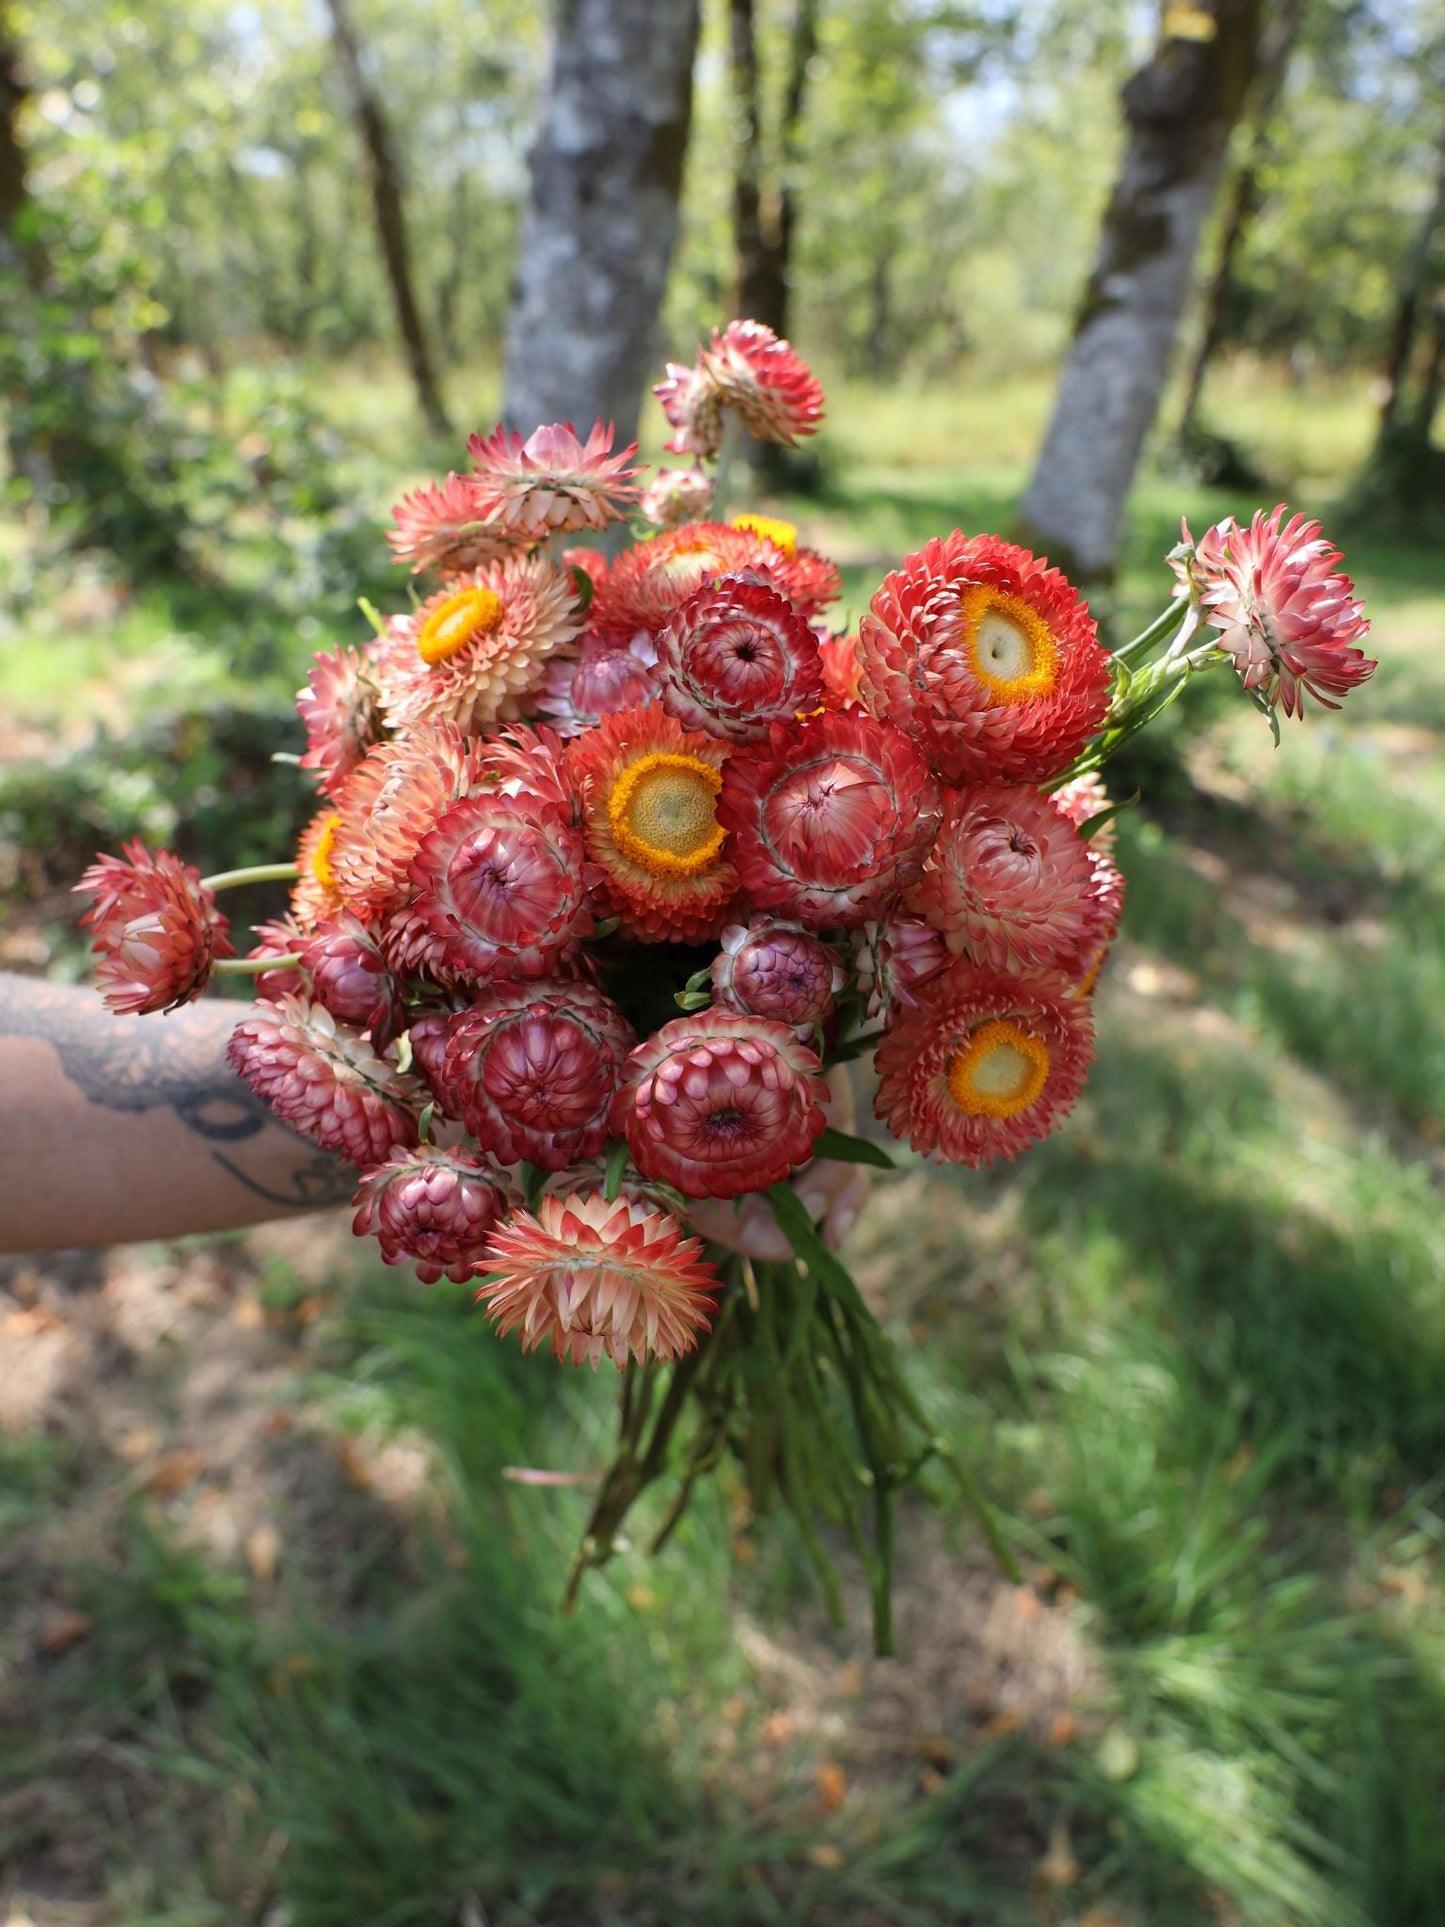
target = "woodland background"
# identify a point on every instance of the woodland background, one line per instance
(278, 1644)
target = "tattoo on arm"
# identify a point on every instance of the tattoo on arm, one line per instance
(177, 1062)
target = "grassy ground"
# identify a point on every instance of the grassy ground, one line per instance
(280, 1640)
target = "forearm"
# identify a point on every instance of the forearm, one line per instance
(117, 1128)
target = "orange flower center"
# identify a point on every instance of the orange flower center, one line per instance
(660, 811)
(999, 1070)
(1010, 647)
(321, 856)
(782, 535)
(456, 622)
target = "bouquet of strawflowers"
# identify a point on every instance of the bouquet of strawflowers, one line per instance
(622, 853)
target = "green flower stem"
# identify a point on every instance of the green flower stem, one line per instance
(1170, 619)
(732, 439)
(253, 966)
(258, 873)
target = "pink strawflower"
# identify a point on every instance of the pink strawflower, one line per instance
(830, 822)
(474, 653)
(531, 1069)
(765, 380)
(675, 496)
(893, 959)
(532, 762)
(552, 481)
(283, 937)
(776, 970)
(350, 975)
(340, 709)
(736, 658)
(445, 527)
(432, 1208)
(1288, 621)
(389, 803)
(1010, 883)
(985, 657)
(592, 1278)
(499, 888)
(325, 1079)
(430, 1032)
(717, 1104)
(984, 1064)
(155, 928)
(578, 692)
(1086, 797)
(692, 403)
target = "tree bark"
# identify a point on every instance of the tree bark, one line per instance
(386, 200)
(1277, 41)
(1419, 276)
(1179, 110)
(597, 239)
(764, 222)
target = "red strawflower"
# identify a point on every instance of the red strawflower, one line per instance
(831, 821)
(649, 789)
(474, 653)
(350, 975)
(650, 581)
(894, 959)
(1010, 884)
(431, 1208)
(553, 481)
(692, 403)
(718, 1104)
(339, 707)
(987, 658)
(155, 927)
(531, 1069)
(499, 889)
(1288, 621)
(983, 1065)
(445, 527)
(776, 970)
(325, 1079)
(593, 1278)
(390, 801)
(736, 658)
(282, 937)
(842, 671)
(767, 382)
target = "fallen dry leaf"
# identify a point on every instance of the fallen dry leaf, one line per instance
(1002, 1724)
(776, 1729)
(1063, 1728)
(832, 1784)
(62, 1627)
(1058, 1866)
(263, 1552)
(825, 1855)
(174, 1471)
(138, 1442)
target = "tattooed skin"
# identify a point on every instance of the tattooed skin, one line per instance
(176, 1062)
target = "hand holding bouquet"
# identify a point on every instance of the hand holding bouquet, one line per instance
(617, 857)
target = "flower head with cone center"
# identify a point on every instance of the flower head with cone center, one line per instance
(782, 535)
(999, 1071)
(1009, 645)
(661, 814)
(459, 620)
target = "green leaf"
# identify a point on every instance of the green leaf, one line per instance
(808, 1248)
(1100, 817)
(581, 587)
(616, 1165)
(423, 1127)
(843, 1148)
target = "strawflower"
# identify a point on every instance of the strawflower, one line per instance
(431, 1208)
(390, 801)
(445, 527)
(155, 927)
(324, 1078)
(552, 482)
(765, 380)
(340, 709)
(736, 658)
(776, 970)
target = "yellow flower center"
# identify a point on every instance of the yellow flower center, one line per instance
(321, 857)
(1010, 647)
(999, 1071)
(456, 622)
(687, 559)
(782, 535)
(660, 811)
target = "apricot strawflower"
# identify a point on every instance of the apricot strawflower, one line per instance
(445, 527)
(390, 801)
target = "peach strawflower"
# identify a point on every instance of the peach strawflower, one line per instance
(675, 496)
(499, 889)
(718, 1103)
(315, 895)
(475, 651)
(831, 821)
(579, 691)
(774, 969)
(983, 1065)
(649, 793)
(1010, 883)
(390, 801)
(553, 482)
(765, 380)
(155, 928)
(987, 658)
(1288, 621)
(531, 1069)
(736, 658)
(652, 579)
(445, 527)
(324, 1078)
(431, 1208)
(594, 1279)
(340, 709)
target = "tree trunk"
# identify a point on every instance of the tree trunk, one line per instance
(1277, 41)
(764, 222)
(1179, 110)
(1427, 402)
(1419, 276)
(390, 216)
(598, 235)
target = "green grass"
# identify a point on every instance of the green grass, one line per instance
(1195, 1345)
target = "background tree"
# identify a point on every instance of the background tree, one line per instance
(597, 242)
(765, 204)
(1179, 110)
